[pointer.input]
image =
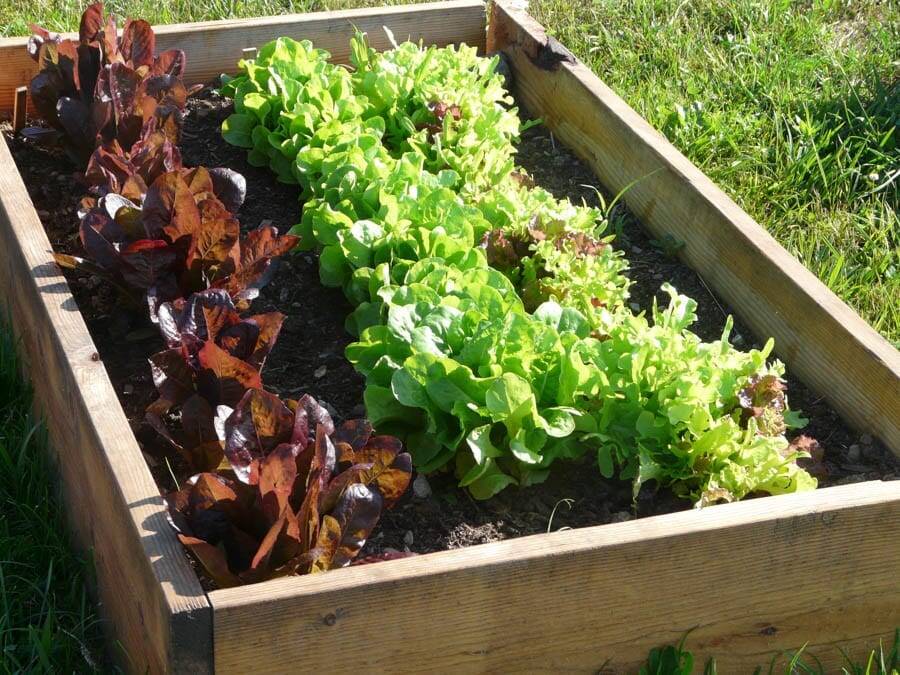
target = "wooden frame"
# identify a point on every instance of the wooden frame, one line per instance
(751, 578)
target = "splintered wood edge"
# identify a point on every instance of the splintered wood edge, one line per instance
(149, 593)
(822, 340)
(750, 576)
(214, 47)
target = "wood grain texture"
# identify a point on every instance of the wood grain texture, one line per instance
(20, 108)
(752, 577)
(822, 341)
(149, 594)
(214, 47)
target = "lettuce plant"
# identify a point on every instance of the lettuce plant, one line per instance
(103, 86)
(302, 496)
(180, 239)
(468, 375)
(384, 184)
(111, 169)
(299, 496)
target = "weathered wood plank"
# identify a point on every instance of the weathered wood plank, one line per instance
(150, 595)
(20, 109)
(751, 578)
(214, 47)
(822, 341)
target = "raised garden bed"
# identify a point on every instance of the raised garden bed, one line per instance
(754, 577)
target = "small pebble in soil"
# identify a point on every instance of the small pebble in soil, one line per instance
(320, 372)
(866, 439)
(128, 389)
(853, 453)
(421, 487)
(621, 517)
(408, 538)
(635, 307)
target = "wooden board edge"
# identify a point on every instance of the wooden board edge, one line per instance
(156, 611)
(332, 17)
(821, 339)
(288, 19)
(214, 47)
(582, 591)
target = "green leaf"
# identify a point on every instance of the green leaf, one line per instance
(510, 400)
(333, 268)
(479, 442)
(238, 129)
(489, 482)
(526, 445)
(559, 422)
(258, 105)
(605, 461)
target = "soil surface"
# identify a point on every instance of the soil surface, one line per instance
(308, 357)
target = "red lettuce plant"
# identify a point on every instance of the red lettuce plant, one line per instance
(213, 357)
(104, 87)
(181, 239)
(303, 498)
(763, 399)
(112, 169)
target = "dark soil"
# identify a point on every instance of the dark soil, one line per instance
(308, 357)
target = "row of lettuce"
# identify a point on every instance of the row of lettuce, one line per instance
(278, 488)
(492, 319)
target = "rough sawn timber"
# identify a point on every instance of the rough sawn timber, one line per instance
(751, 578)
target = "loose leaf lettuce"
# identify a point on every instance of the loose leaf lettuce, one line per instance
(304, 497)
(411, 194)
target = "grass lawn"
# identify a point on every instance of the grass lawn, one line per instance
(47, 620)
(792, 107)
